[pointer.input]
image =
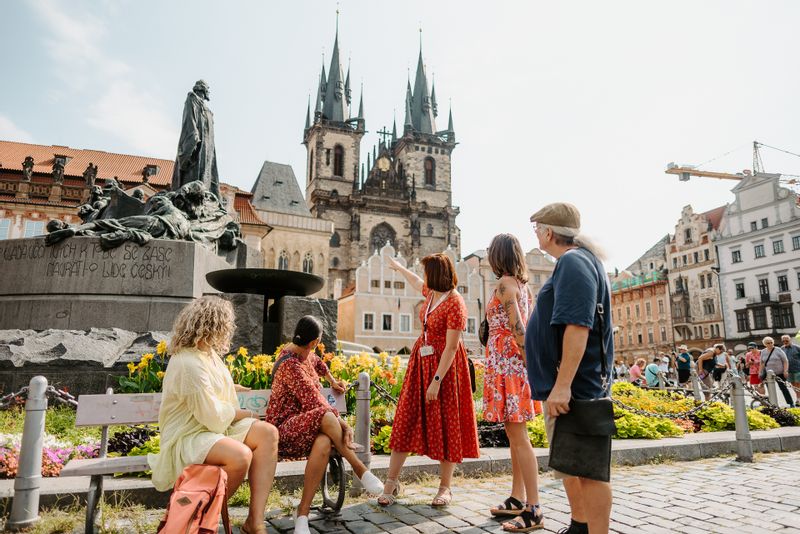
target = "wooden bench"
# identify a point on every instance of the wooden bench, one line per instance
(137, 409)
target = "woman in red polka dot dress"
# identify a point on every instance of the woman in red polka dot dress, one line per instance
(435, 413)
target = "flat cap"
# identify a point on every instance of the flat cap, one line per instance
(561, 215)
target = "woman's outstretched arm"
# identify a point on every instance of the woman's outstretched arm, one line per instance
(413, 279)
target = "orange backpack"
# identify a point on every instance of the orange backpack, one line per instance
(199, 497)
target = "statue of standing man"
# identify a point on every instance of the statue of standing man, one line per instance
(197, 158)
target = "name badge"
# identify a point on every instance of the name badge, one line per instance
(426, 350)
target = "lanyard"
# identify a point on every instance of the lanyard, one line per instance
(428, 311)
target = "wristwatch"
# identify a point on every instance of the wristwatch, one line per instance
(437, 378)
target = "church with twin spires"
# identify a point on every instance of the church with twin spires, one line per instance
(398, 192)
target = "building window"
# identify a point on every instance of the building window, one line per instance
(783, 317)
(335, 262)
(708, 280)
(763, 286)
(796, 242)
(34, 228)
(783, 283)
(739, 290)
(628, 312)
(471, 321)
(405, 323)
(430, 172)
(386, 322)
(638, 313)
(400, 285)
(5, 228)
(369, 321)
(696, 256)
(708, 306)
(663, 334)
(387, 284)
(650, 338)
(685, 260)
(537, 279)
(660, 307)
(705, 255)
(754, 226)
(328, 157)
(336, 241)
(338, 161)
(759, 251)
(308, 264)
(283, 260)
(429, 230)
(687, 235)
(648, 310)
(742, 322)
(764, 222)
(759, 318)
(463, 289)
(702, 281)
(375, 284)
(736, 256)
(639, 336)
(674, 263)
(777, 246)
(630, 339)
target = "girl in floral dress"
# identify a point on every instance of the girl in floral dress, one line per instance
(506, 391)
(307, 424)
(435, 413)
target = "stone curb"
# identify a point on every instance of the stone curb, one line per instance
(494, 461)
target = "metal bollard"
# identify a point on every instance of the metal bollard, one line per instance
(662, 383)
(772, 388)
(363, 430)
(744, 446)
(696, 390)
(25, 506)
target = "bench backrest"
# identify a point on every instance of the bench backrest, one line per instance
(140, 408)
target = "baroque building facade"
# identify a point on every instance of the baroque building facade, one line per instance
(693, 280)
(640, 307)
(758, 248)
(399, 194)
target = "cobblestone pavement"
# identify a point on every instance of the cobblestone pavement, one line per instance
(714, 495)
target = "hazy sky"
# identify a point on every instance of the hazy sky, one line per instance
(583, 102)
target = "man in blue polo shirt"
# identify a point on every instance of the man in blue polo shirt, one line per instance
(564, 347)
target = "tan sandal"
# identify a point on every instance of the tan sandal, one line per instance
(442, 499)
(388, 499)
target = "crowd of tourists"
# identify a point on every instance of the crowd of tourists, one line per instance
(712, 366)
(557, 355)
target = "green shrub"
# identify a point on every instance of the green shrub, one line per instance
(633, 426)
(760, 421)
(715, 417)
(380, 443)
(796, 413)
(536, 432)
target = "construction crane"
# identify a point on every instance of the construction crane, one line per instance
(685, 172)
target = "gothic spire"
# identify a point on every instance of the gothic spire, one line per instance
(347, 84)
(308, 113)
(361, 103)
(451, 133)
(421, 109)
(394, 129)
(335, 106)
(433, 99)
(320, 90)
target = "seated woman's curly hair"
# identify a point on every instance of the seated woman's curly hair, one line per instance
(208, 320)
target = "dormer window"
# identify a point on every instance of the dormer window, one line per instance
(148, 171)
(62, 160)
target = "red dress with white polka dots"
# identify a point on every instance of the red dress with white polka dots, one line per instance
(444, 429)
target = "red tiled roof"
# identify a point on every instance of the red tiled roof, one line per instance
(715, 216)
(349, 290)
(125, 167)
(247, 214)
(64, 203)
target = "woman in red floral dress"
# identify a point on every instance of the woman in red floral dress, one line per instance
(506, 391)
(435, 413)
(307, 425)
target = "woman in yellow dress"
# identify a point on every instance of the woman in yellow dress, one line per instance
(200, 418)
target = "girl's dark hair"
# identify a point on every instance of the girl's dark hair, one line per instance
(506, 257)
(307, 330)
(440, 273)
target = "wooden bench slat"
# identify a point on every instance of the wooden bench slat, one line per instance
(105, 466)
(141, 408)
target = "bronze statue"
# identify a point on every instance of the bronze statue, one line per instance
(27, 169)
(197, 159)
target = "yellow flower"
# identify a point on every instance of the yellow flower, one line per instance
(131, 368)
(146, 358)
(250, 367)
(230, 358)
(337, 365)
(160, 375)
(321, 347)
(396, 363)
(161, 349)
(242, 352)
(383, 357)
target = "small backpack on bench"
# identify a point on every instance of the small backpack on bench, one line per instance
(199, 497)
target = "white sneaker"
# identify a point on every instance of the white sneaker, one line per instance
(371, 483)
(301, 525)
